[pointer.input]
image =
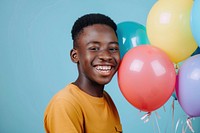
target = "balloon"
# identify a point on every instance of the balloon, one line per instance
(197, 51)
(130, 34)
(174, 95)
(188, 90)
(195, 21)
(146, 77)
(168, 27)
(176, 85)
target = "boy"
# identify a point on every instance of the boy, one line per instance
(83, 106)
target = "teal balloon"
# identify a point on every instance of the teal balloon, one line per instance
(195, 21)
(130, 34)
(197, 51)
(174, 96)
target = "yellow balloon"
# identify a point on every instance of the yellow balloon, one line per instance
(168, 27)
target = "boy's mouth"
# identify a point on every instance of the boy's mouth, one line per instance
(105, 70)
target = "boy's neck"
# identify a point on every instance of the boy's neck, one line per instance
(92, 89)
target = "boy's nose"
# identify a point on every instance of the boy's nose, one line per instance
(105, 55)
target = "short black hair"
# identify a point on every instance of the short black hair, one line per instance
(90, 19)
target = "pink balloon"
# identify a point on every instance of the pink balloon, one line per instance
(146, 77)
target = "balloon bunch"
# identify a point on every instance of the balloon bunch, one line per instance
(138, 75)
(174, 27)
(147, 76)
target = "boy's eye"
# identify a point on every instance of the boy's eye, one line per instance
(114, 49)
(94, 48)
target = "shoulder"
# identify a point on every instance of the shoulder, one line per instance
(69, 93)
(65, 99)
(62, 111)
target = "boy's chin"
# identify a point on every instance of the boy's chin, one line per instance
(104, 82)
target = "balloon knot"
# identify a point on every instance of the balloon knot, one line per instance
(146, 117)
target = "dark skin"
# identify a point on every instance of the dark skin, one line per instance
(96, 53)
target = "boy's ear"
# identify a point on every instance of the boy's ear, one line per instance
(74, 55)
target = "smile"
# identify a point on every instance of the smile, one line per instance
(103, 68)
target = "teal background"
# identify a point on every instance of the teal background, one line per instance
(35, 42)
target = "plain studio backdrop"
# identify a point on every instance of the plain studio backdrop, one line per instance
(35, 42)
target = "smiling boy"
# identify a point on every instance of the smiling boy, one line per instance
(84, 106)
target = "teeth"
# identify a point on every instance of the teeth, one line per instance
(103, 68)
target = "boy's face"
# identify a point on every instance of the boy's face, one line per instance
(97, 54)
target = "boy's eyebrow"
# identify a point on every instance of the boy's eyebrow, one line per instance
(114, 43)
(96, 42)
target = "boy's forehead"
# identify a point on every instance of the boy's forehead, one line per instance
(96, 28)
(97, 31)
(99, 25)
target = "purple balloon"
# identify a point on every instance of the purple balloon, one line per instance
(188, 88)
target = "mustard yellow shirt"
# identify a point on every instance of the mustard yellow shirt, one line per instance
(73, 111)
